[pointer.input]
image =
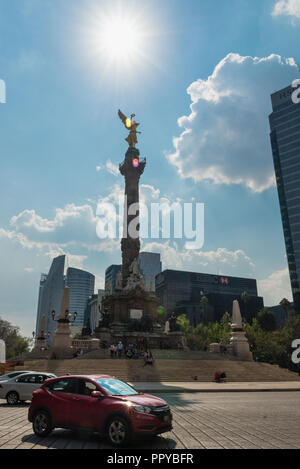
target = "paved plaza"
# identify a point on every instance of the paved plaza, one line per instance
(201, 420)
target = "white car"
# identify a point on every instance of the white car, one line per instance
(21, 388)
(13, 374)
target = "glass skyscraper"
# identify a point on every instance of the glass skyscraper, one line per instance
(81, 285)
(285, 141)
(150, 266)
(111, 276)
(50, 296)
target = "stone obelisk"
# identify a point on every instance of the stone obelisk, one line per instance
(239, 341)
(62, 340)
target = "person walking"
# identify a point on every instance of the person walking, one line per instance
(120, 349)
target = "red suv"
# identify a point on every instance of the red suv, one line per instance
(101, 404)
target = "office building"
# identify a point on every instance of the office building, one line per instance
(93, 312)
(181, 292)
(285, 141)
(150, 266)
(50, 296)
(82, 286)
(111, 276)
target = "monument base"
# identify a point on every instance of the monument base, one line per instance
(131, 317)
(41, 344)
(62, 341)
(125, 305)
(240, 346)
(144, 340)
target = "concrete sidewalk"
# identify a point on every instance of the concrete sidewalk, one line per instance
(195, 386)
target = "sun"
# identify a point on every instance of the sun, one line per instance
(120, 39)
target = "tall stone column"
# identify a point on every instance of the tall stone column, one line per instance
(132, 169)
(62, 340)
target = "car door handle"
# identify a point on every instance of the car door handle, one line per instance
(75, 398)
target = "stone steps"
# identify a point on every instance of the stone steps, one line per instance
(165, 355)
(166, 370)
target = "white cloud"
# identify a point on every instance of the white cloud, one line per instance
(72, 228)
(73, 260)
(48, 249)
(98, 168)
(99, 282)
(23, 260)
(275, 287)
(28, 218)
(28, 247)
(23, 241)
(225, 139)
(287, 8)
(70, 224)
(112, 168)
(222, 261)
(149, 194)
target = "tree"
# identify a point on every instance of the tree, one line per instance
(286, 306)
(201, 336)
(267, 320)
(245, 299)
(184, 324)
(225, 329)
(274, 347)
(204, 303)
(15, 343)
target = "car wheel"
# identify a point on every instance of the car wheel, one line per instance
(118, 432)
(12, 398)
(42, 425)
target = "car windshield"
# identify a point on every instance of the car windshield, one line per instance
(114, 387)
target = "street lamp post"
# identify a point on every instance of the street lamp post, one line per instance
(64, 318)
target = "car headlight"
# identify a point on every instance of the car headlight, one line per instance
(142, 409)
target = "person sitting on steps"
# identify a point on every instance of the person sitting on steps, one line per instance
(220, 377)
(148, 358)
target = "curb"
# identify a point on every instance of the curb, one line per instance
(182, 390)
(164, 388)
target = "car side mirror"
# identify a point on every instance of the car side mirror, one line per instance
(97, 395)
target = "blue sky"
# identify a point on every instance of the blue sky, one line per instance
(61, 139)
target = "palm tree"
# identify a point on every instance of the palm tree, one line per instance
(245, 298)
(204, 302)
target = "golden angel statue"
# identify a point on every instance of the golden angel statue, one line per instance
(130, 125)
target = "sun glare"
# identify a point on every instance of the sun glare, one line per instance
(120, 39)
